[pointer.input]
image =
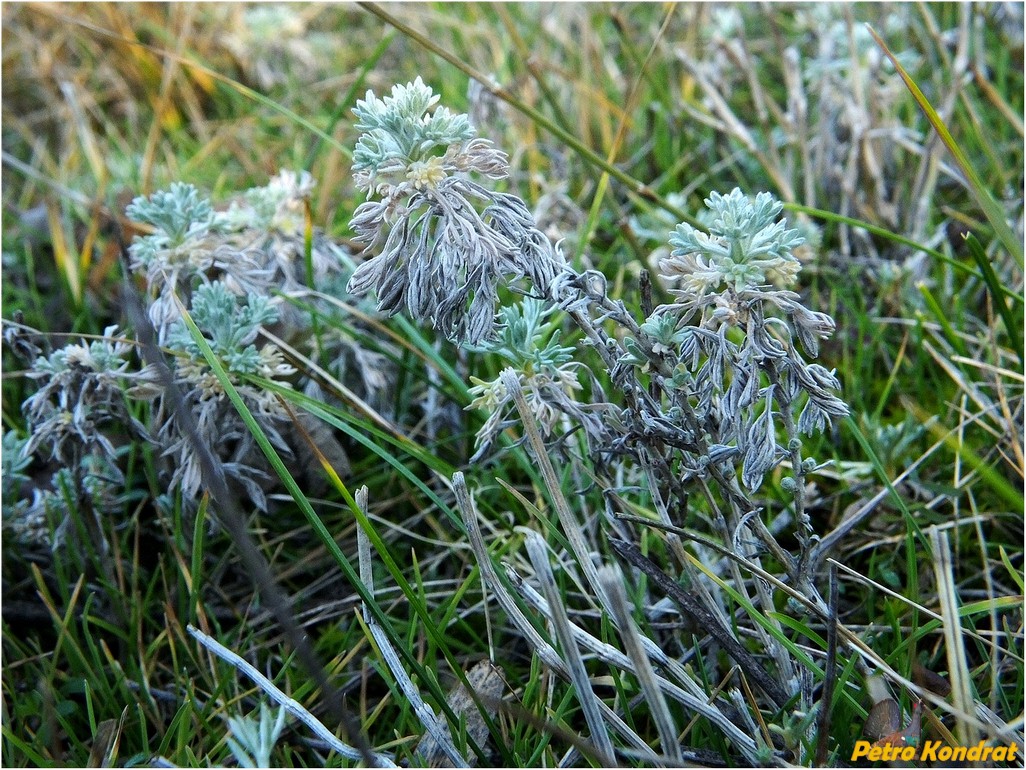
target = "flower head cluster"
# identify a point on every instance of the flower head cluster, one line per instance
(96, 481)
(736, 385)
(746, 247)
(274, 45)
(231, 269)
(230, 326)
(79, 418)
(82, 392)
(403, 143)
(186, 246)
(257, 244)
(177, 214)
(546, 370)
(445, 243)
(278, 206)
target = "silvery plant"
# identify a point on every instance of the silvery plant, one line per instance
(78, 420)
(236, 270)
(706, 398)
(441, 242)
(696, 405)
(711, 379)
(233, 271)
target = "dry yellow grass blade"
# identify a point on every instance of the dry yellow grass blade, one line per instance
(67, 261)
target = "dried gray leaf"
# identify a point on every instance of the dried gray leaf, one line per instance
(488, 684)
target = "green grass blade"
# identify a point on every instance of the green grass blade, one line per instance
(940, 316)
(1015, 574)
(199, 534)
(797, 653)
(881, 473)
(1012, 327)
(26, 749)
(349, 97)
(1000, 485)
